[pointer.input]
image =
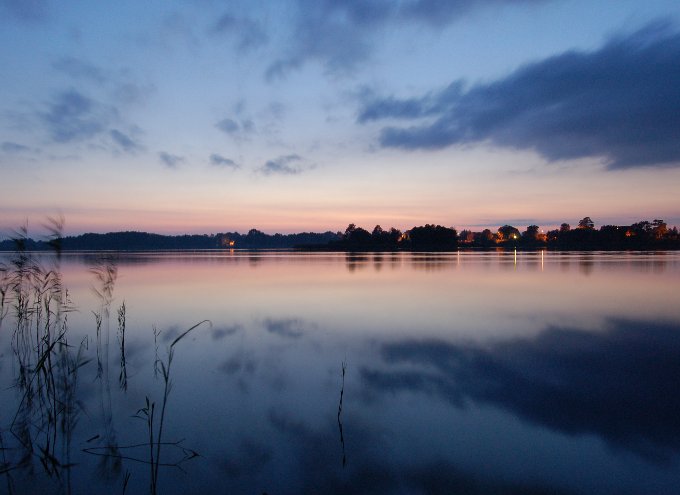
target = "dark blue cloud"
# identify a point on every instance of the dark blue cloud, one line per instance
(220, 161)
(170, 160)
(282, 165)
(620, 103)
(72, 116)
(375, 108)
(247, 33)
(125, 142)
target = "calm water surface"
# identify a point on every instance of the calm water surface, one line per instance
(471, 373)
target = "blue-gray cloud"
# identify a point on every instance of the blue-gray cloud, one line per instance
(620, 103)
(282, 166)
(170, 160)
(72, 116)
(125, 142)
(79, 69)
(25, 10)
(10, 147)
(247, 34)
(121, 87)
(440, 13)
(220, 161)
(331, 32)
(338, 33)
(130, 93)
(229, 126)
(234, 127)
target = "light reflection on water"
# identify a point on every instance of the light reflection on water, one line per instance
(470, 372)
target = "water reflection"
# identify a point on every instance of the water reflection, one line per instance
(218, 333)
(650, 262)
(291, 328)
(376, 470)
(460, 379)
(355, 261)
(620, 383)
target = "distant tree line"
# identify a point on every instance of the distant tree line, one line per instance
(638, 236)
(143, 241)
(425, 238)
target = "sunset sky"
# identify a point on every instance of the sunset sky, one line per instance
(306, 115)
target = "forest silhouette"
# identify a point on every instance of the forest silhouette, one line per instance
(642, 235)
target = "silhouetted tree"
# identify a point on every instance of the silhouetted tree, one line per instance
(433, 238)
(531, 233)
(383, 240)
(659, 228)
(395, 235)
(483, 239)
(612, 235)
(586, 223)
(508, 233)
(466, 236)
(357, 238)
(553, 235)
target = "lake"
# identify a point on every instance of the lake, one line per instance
(469, 372)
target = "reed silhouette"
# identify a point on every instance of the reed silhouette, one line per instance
(342, 393)
(48, 366)
(38, 438)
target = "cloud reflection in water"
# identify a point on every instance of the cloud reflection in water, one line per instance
(620, 384)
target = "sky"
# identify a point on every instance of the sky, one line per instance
(206, 116)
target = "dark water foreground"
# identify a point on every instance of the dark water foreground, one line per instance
(471, 373)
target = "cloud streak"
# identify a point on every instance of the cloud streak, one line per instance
(80, 69)
(620, 103)
(438, 13)
(11, 147)
(221, 161)
(282, 166)
(246, 33)
(236, 128)
(72, 116)
(170, 160)
(125, 142)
